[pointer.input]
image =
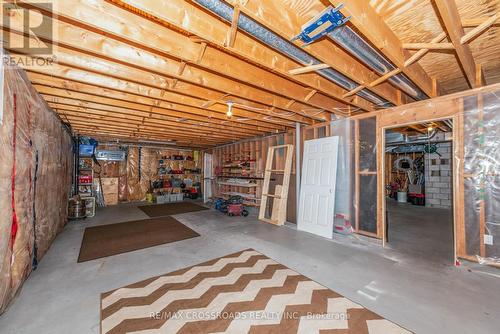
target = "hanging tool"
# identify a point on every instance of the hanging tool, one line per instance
(322, 24)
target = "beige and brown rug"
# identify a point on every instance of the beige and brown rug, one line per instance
(170, 209)
(245, 292)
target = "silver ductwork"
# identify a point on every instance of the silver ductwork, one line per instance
(358, 47)
(393, 138)
(266, 36)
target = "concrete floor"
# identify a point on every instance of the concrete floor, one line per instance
(62, 296)
(422, 232)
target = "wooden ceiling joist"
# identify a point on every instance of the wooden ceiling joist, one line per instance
(231, 128)
(372, 26)
(146, 119)
(154, 69)
(148, 125)
(308, 69)
(192, 20)
(479, 29)
(285, 20)
(422, 52)
(167, 45)
(94, 83)
(448, 12)
(475, 22)
(99, 125)
(99, 102)
(76, 75)
(429, 46)
(120, 138)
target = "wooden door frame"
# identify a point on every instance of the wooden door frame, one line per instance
(457, 140)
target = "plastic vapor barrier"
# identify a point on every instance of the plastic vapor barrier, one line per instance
(482, 176)
(35, 181)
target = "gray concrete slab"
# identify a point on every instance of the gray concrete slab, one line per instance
(62, 296)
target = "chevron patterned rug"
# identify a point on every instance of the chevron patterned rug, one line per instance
(245, 292)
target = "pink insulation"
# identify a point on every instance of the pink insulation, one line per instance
(29, 129)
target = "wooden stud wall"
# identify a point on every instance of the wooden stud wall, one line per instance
(440, 108)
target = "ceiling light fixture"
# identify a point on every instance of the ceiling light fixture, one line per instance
(229, 112)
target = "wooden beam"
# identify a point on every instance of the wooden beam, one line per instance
(161, 47)
(84, 92)
(203, 47)
(419, 54)
(170, 130)
(448, 12)
(310, 95)
(187, 16)
(429, 46)
(479, 76)
(116, 67)
(99, 124)
(372, 26)
(308, 69)
(375, 82)
(195, 127)
(234, 27)
(475, 22)
(82, 100)
(284, 19)
(479, 29)
(124, 85)
(434, 88)
(354, 91)
(289, 104)
(385, 77)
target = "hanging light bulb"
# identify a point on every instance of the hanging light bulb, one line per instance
(229, 112)
(430, 128)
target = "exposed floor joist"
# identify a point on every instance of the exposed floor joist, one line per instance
(167, 46)
(286, 23)
(78, 55)
(448, 12)
(183, 15)
(366, 20)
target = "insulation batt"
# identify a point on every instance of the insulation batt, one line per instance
(37, 129)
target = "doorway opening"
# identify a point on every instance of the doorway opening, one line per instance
(418, 164)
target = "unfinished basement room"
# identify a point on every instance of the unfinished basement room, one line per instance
(250, 166)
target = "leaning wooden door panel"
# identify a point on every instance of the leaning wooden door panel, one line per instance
(317, 196)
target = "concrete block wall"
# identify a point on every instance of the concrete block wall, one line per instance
(438, 177)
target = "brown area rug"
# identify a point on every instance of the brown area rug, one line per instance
(245, 292)
(170, 209)
(107, 240)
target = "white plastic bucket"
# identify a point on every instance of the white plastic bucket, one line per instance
(402, 197)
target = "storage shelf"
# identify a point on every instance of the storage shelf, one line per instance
(247, 185)
(247, 196)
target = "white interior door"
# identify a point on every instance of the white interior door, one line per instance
(207, 177)
(317, 191)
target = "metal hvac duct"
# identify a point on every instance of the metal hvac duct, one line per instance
(266, 36)
(358, 47)
(397, 138)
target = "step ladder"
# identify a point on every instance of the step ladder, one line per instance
(280, 196)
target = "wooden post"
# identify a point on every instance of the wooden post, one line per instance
(356, 174)
(381, 232)
(482, 176)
